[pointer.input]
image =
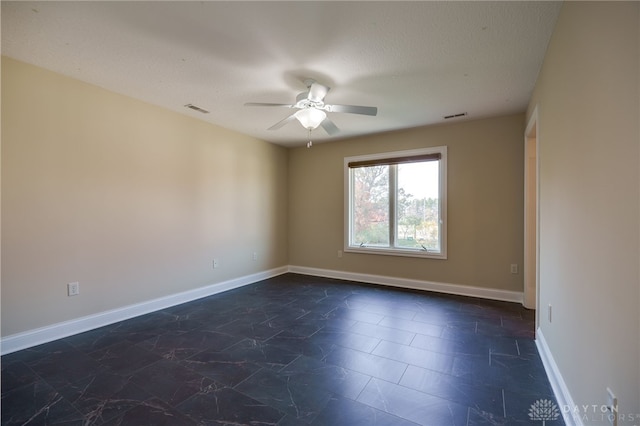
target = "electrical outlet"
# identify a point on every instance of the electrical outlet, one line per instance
(216, 263)
(254, 256)
(73, 289)
(514, 268)
(339, 253)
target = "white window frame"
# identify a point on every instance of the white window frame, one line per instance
(395, 251)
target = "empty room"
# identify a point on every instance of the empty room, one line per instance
(320, 213)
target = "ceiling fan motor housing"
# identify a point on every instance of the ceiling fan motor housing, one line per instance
(312, 111)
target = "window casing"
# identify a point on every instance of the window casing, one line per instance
(395, 203)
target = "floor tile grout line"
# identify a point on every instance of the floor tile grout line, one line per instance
(374, 337)
(439, 397)
(375, 347)
(361, 390)
(412, 340)
(402, 375)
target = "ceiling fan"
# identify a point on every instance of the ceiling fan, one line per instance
(312, 111)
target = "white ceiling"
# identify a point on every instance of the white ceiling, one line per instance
(416, 61)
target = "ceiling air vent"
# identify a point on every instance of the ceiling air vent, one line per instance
(197, 108)
(462, 114)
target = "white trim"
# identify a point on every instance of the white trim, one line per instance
(532, 135)
(565, 402)
(458, 289)
(27, 339)
(533, 121)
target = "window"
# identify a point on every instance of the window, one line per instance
(396, 203)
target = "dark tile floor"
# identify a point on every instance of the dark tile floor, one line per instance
(291, 350)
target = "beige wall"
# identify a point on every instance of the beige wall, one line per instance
(485, 204)
(587, 96)
(130, 200)
(134, 201)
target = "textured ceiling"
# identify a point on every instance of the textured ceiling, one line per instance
(416, 61)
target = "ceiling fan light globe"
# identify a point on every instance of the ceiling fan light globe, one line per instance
(310, 118)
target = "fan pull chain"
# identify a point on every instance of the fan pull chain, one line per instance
(309, 144)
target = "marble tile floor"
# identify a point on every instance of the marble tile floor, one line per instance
(291, 350)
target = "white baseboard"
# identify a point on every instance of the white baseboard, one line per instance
(461, 290)
(16, 342)
(53, 332)
(565, 402)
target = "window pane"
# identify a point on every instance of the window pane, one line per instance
(370, 217)
(418, 206)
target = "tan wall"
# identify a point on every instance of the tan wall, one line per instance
(587, 97)
(485, 204)
(130, 200)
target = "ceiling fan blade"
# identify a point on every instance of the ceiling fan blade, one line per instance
(353, 109)
(317, 92)
(329, 127)
(282, 122)
(261, 104)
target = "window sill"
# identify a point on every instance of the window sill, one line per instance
(396, 252)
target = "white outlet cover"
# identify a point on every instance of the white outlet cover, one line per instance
(73, 289)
